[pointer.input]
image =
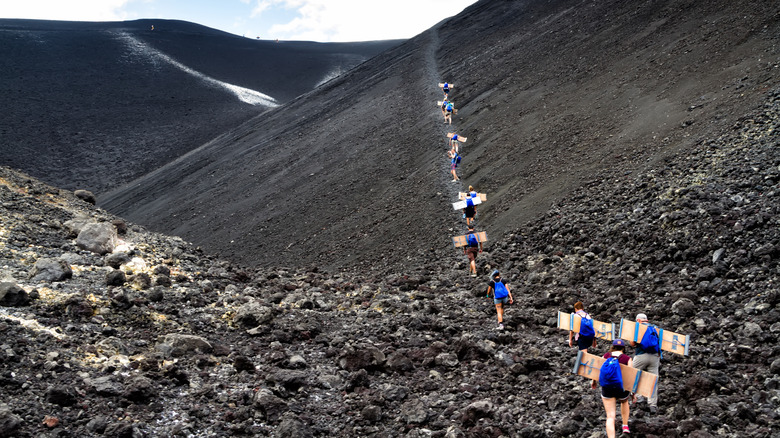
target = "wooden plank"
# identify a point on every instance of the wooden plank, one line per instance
(461, 138)
(462, 204)
(482, 196)
(634, 380)
(571, 321)
(441, 85)
(670, 341)
(460, 241)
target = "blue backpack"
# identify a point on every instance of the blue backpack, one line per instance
(650, 342)
(500, 290)
(449, 107)
(457, 159)
(609, 373)
(586, 327)
(472, 240)
(469, 202)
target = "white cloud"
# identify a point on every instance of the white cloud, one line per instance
(79, 10)
(350, 20)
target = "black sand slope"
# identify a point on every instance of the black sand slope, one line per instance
(550, 94)
(94, 105)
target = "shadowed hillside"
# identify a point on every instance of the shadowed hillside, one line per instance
(550, 94)
(94, 105)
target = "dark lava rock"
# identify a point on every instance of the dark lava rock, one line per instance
(115, 278)
(85, 195)
(61, 395)
(11, 295)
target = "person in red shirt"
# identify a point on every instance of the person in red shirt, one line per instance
(610, 395)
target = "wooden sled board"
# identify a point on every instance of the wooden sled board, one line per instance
(482, 196)
(670, 341)
(441, 85)
(460, 205)
(637, 381)
(570, 321)
(460, 241)
(461, 138)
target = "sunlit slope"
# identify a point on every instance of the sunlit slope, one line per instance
(94, 105)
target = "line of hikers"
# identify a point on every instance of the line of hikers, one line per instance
(496, 289)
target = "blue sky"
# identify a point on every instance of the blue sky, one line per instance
(313, 20)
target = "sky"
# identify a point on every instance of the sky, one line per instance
(309, 20)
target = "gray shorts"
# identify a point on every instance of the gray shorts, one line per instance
(501, 300)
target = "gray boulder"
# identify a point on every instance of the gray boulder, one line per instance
(100, 238)
(49, 270)
(176, 344)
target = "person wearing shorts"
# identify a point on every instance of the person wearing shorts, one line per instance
(611, 396)
(471, 250)
(453, 164)
(501, 296)
(583, 342)
(470, 211)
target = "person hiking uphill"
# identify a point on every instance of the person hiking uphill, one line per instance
(446, 89)
(454, 161)
(472, 249)
(470, 211)
(448, 108)
(611, 381)
(501, 296)
(647, 356)
(454, 142)
(585, 338)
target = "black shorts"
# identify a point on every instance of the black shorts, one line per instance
(584, 342)
(614, 392)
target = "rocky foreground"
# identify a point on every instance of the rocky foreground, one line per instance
(110, 330)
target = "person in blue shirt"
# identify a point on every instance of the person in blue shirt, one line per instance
(501, 296)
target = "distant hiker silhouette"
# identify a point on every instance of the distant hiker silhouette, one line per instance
(153, 27)
(501, 296)
(612, 386)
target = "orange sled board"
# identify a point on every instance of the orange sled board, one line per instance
(571, 321)
(637, 381)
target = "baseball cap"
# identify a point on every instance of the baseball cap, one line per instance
(619, 342)
(641, 317)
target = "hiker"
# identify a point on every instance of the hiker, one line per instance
(612, 388)
(472, 249)
(454, 143)
(470, 211)
(446, 89)
(501, 295)
(448, 109)
(583, 340)
(649, 361)
(454, 161)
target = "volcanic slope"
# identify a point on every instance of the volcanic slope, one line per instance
(549, 94)
(94, 105)
(158, 339)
